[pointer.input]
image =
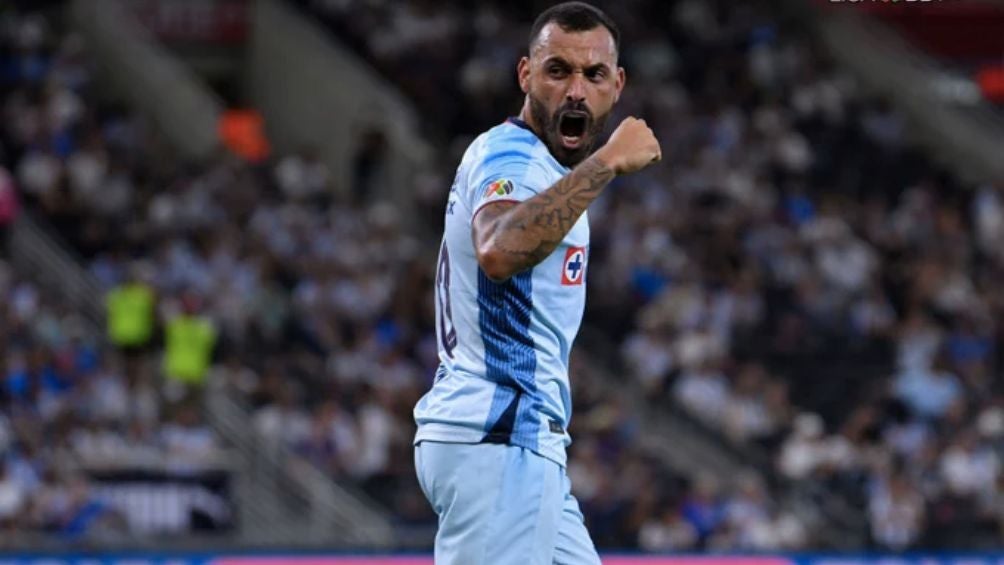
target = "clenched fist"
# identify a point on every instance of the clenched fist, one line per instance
(631, 147)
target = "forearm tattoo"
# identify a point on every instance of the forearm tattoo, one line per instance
(527, 233)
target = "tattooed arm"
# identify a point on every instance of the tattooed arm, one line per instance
(512, 237)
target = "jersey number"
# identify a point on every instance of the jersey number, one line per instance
(447, 332)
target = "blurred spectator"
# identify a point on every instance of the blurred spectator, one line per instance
(649, 355)
(131, 309)
(332, 443)
(75, 512)
(378, 431)
(13, 499)
(747, 415)
(186, 437)
(189, 342)
(703, 509)
(668, 532)
(747, 515)
(302, 177)
(929, 392)
(703, 390)
(897, 516)
(282, 421)
(802, 452)
(970, 468)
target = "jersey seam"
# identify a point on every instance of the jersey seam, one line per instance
(483, 204)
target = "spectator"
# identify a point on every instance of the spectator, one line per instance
(897, 515)
(378, 430)
(131, 310)
(703, 509)
(668, 532)
(746, 416)
(13, 500)
(802, 452)
(704, 391)
(190, 339)
(929, 392)
(187, 439)
(969, 468)
(748, 515)
(281, 421)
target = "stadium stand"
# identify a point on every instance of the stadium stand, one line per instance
(798, 278)
(86, 442)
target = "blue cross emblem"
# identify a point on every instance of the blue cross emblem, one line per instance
(574, 266)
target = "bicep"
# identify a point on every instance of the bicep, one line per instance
(494, 198)
(484, 221)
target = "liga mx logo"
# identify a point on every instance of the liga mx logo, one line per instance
(574, 271)
(499, 188)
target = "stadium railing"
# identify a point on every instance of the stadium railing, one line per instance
(288, 501)
(35, 253)
(327, 99)
(962, 131)
(148, 77)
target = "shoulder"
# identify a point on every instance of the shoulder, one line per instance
(506, 144)
(507, 155)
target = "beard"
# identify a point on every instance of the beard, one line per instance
(550, 125)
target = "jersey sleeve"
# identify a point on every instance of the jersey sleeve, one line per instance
(508, 174)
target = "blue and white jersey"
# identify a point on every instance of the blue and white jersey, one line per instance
(503, 347)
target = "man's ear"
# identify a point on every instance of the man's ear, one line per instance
(619, 83)
(523, 74)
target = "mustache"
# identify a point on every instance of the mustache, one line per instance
(573, 107)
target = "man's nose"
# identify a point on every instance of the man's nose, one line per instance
(576, 88)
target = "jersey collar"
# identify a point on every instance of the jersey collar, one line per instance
(520, 123)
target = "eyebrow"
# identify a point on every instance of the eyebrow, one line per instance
(561, 61)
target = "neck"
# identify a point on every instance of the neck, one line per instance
(527, 116)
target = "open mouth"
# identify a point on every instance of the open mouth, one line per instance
(572, 127)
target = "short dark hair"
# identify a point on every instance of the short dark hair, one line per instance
(575, 16)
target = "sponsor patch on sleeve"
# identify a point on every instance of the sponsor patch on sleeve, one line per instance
(499, 189)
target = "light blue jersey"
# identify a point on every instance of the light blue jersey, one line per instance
(504, 347)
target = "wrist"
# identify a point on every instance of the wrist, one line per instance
(602, 156)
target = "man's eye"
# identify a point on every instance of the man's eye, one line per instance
(595, 74)
(556, 71)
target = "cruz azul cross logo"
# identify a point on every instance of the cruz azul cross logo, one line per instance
(574, 271)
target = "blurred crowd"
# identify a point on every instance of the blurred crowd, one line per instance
(92, 416)
(46, 407)
(796, 275)
(308, 306)
(792, 224)
(72, 412)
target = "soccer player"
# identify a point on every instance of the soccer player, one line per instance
(510, 292)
